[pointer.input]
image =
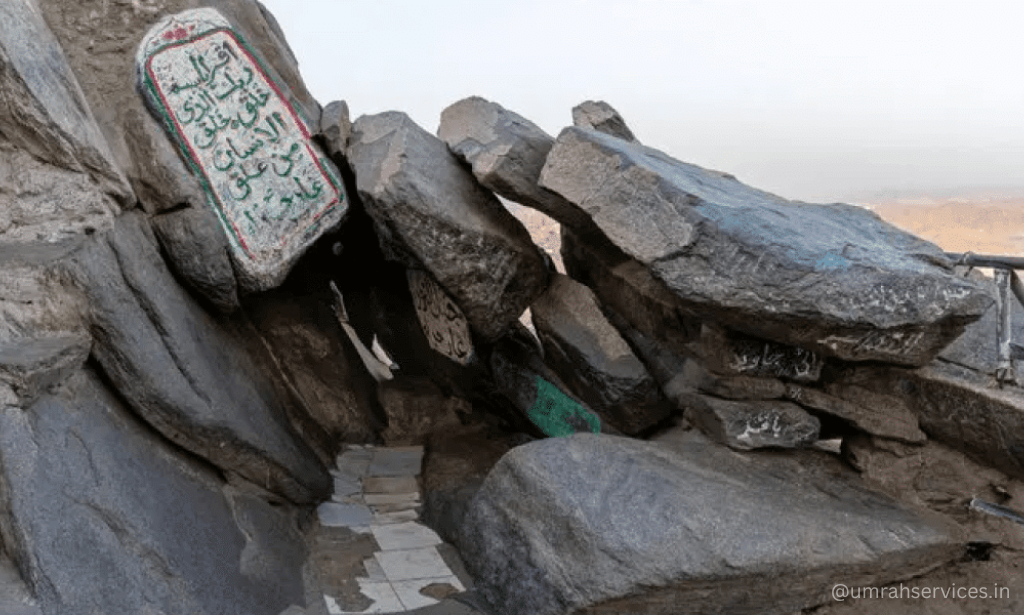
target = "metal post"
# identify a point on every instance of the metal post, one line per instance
(1004, 369)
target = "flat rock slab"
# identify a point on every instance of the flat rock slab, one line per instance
(272, 188)
(590, 355)
(747, 425)
(835, 279)
(506, 153)
(103, 515)
(431, 214)
(601, 524)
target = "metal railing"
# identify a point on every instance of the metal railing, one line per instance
(1007, 283)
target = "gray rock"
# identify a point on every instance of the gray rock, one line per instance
(957, 406)
(589, 355)
(431, 214)
(879, 414)
(535, 391)
(43, 202)
(336, 128)
(197, 251)
(190, 377)
(627, 288)
(44, 110)
(727, 352)
(160, 178)
(834, 279)
(602, 117)
(748, 425)
(599, 524)
(506, 152)
(15, 599)
(743, 387)
(30, 366)
(102, 515)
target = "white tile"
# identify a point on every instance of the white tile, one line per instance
(398, 516)
(408, 535)
(333, 514)
(345, 486)
(410, 564)
(409, 591)
(377, 499)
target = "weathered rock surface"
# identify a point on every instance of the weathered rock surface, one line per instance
(535, 391)
(198, 252)
(102, 515)
(430, 213)
(879, 414)
(599, 524)
(30, 366)
(627, 287)
(727, 352)
(747, 425)
(188, 376)
(589, 355)
(602, 117)
(336, 127)
(834, 279)
(506, 152)
(44, 110)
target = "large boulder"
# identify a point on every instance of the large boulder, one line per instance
(602, 117)
(194, 379)
(431, 214)
(103, 515)
(601, 524)
(506, 153)
(590, 355)
(834, 279)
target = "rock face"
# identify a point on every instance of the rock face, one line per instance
(592, 358)
(431, 214)
(184, 374)
(506, 152)
(602, 117)
(274, 192)
(748, 425)
(835, 279)
(44, 109)
(627, 287)
(103, 516)
(599, 524)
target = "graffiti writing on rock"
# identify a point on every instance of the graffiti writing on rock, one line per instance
(762, 358)
(269, 184)
(440, 318)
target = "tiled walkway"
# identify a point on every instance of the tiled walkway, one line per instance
(377, 494)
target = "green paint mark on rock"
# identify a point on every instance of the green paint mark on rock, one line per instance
(559, 415)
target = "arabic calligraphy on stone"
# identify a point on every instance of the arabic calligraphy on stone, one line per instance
(440, 318)
(255, 156)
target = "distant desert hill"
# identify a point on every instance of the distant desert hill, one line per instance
(959, 225)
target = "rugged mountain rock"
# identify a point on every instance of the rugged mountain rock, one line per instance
(431, 214)
(102, 514)
(589, 355)
(596, 524)
(834, 279)
(602, 117)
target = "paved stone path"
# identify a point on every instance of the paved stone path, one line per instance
(405, 566)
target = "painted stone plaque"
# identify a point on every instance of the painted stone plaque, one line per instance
(440, 318)
(272, 188)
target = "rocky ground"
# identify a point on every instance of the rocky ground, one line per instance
(259, 358)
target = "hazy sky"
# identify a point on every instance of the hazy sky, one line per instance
(818, 100)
